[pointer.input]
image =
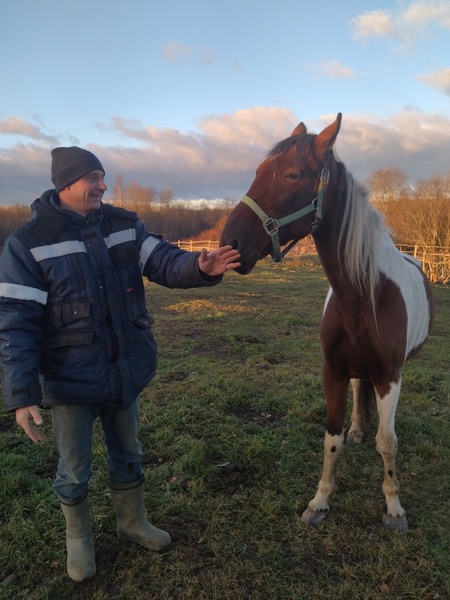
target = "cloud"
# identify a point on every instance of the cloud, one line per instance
(403, 25)
(420, 14)
(375, 23)
(20, 127)
(439, 80)
(24, 173)
(219, 158)
(412, 141)
(333, 69)
(216, 160)
(181, 54)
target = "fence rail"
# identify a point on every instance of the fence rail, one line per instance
(196, 245)
(435, 260)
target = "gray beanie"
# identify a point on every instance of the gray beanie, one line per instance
(71, 164)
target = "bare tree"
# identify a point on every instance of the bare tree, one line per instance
(421, 215)
(386, 184)
(165, 197)
(118, 190)
(135, 196)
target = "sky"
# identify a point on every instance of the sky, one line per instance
(189, 95)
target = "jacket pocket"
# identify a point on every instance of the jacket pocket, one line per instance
(68, 324)
(144, 321)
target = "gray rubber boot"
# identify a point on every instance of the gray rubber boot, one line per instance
(79, 542)
(132, 523)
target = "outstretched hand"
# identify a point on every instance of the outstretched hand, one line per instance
(25, 417)
(219, 261)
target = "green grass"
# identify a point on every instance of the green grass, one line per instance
(232, 429)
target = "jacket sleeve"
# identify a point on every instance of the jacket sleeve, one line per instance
(22, 304)
(168, 265)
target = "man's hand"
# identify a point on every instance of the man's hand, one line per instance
(219, 261)
(25, 417)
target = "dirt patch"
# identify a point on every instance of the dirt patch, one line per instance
(152, 460)
(264, 419)
(174, 376)
(249, 339)
(186, 533)
(48, 468)
(234, 477)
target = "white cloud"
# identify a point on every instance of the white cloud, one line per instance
(333, 69)
(20, 127)
(220, 157)
(181, 54)
(374, 23)
(439, 80)
(177, 52)
(420, 14)
(412, 140)
(403, 25)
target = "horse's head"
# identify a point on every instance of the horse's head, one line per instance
(281, 204)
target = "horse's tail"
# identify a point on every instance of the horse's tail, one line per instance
(366, 400)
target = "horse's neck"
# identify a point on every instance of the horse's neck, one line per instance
(350, 263)
(334, 266)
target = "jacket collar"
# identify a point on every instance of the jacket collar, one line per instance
(49, 218)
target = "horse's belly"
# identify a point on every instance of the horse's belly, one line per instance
(410, 281)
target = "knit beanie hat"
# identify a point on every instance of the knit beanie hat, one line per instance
(71, 164)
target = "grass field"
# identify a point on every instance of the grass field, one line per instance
(232, 429)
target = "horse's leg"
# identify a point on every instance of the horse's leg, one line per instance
(386, 439)
(355, 434)
(336, 399)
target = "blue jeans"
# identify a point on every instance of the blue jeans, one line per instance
(72, 430)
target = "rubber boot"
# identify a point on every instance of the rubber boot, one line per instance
(132, 523)
(79, 542)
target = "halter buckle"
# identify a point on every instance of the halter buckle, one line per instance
(270, 226)
(325, 176)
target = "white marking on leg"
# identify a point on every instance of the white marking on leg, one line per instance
(387, 447)
(327, 484)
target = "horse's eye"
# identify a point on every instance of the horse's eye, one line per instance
(292, 176)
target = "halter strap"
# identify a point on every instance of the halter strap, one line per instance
(271, 226)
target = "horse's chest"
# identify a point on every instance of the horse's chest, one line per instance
(354, 348)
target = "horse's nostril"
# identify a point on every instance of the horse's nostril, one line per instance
(234, 244)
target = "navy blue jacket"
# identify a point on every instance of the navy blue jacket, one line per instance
(74, 326)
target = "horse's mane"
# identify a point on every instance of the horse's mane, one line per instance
(361, 226)
(299, 141)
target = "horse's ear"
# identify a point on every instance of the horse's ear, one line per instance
(299, 130)
(326, 138)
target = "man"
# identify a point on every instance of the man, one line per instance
(75, 336)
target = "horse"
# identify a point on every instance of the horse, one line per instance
(379, 308)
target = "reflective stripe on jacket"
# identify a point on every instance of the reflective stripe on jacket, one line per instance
(74, 326)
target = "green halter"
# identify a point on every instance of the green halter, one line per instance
(271, 226)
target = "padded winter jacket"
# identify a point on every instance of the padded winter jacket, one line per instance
(74, 326)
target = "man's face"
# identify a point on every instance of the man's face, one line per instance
(85, 194)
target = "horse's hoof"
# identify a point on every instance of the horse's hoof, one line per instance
(395, 523)
(354, 437)
(314, 517)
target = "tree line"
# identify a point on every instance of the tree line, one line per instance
(418, 214)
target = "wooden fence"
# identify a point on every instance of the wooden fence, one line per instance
(196, 245)
(435, 260)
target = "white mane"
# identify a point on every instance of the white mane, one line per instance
(360, 237)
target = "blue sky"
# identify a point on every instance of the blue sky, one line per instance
(188, 95)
